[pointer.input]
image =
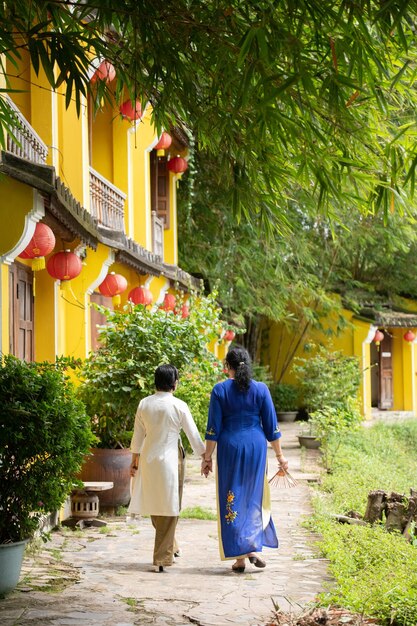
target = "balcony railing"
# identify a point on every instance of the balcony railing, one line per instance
(106, 202)
(157, 235)
(25, 141)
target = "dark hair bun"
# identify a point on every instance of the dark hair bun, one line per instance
(238, 359)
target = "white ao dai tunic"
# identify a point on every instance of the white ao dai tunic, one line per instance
(159, 420)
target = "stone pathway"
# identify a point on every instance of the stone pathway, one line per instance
(104, 576)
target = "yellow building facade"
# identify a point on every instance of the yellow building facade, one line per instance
(95, 179)
(389, 367)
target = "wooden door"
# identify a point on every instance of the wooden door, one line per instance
(160, 187)
(386, 395)
(21, 312)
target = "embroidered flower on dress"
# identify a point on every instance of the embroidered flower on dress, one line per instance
(211, 431)
(277, 430)
(230, 513)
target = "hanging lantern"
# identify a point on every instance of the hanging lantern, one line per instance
(185, 311)
(41, 244)
(229, 335)
(64, 266)
(163, 144)
(112, 286)
(168, 303)
(378, 337)
(104, 72)
(409, 336)
(129, 111)
(140, 295)
(177, 165)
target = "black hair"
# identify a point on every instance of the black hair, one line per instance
(165, 377)
(238, 359)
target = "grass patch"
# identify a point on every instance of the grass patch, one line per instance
(197, 512)
(375, 571)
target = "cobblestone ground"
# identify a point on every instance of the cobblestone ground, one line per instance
(105, 576)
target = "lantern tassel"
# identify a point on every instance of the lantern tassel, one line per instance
(117, 300)
(65, 286)
(38, 263)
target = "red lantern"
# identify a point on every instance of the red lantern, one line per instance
(130, 112)
(378, 337)
(41, 244)
(140, 295)
(112, 286)
(185, 311)
(409, 336)
(177, 165)
(64, 266)
(169, 302)
(163, 144)
(229, 335)
(104, 72)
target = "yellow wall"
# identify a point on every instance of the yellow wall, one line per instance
(73, 142)
(102, 147)
(16, 201)
(44, 317)
(20, 79)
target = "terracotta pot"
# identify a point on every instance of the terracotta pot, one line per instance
(109, 466)
(309, 441)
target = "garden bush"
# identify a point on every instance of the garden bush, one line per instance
(134, 342)
(374, 570)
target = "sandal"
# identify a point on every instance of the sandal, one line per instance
(257, 561)
(239, 569)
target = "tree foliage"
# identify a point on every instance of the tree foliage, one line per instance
(310, 94)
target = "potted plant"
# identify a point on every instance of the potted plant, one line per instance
(308, 436)
(286, 400)
(330, 424)
(44, 435)
(133, 342)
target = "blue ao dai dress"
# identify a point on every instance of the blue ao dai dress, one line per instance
(241, 422)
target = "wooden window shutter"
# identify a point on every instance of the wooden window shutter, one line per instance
(21, 312)
(160, 187)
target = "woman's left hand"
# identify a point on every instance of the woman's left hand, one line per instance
(206, 467)
(282, 461)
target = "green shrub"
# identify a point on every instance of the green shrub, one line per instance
(331, 424)
(327, 379)
(44, 435)
(134, 342)
(285, 396)
(374, 570)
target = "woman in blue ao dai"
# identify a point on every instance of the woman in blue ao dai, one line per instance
(241, 420)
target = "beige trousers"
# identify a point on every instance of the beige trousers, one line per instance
(165, 543)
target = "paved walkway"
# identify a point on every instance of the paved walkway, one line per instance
(104, 576)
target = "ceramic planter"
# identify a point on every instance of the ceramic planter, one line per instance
(286, 416)
(309, 441)
(11, 559)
